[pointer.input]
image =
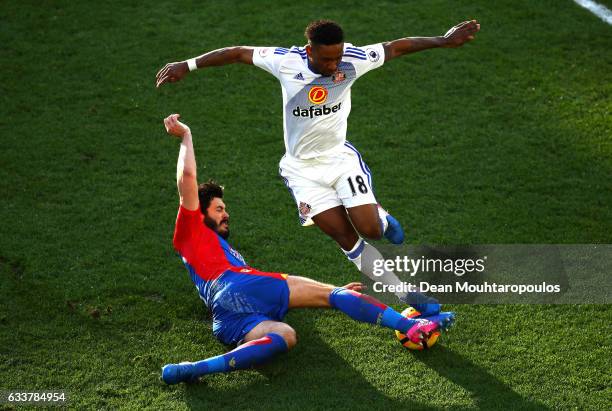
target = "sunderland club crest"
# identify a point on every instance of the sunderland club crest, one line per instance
(338, 77)
(304, 209)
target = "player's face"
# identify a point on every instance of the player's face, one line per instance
(324, 59)
(217, 218)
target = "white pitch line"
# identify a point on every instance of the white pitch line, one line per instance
(597, 9)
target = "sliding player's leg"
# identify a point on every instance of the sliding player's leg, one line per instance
(335, 223)
(266, 340)
(248, 312)
(304, 292)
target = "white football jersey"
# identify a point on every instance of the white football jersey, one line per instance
(316, 108)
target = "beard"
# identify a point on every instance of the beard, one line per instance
(210, 223)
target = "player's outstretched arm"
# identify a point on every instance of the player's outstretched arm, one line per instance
(455, 37)
(186, 177)
(173, 72)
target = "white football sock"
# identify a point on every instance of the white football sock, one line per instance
(354, 254)
(363, 256)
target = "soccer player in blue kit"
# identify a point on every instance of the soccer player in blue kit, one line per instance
(326, 175)
(248, 305)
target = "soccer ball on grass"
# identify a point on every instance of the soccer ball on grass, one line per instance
(405, 341)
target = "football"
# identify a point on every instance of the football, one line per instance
(405, 341)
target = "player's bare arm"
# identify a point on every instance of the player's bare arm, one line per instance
(186, 176)
(173, 72)
(457, 36)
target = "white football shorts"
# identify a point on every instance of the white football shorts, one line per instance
(324, 182)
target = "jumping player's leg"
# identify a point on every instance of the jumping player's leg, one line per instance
(356, 193)
(346, 225)
(335, 223)
(322, 193)
(328, 188)
(366, 221)
(372, 221)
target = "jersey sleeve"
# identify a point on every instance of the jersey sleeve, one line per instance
(269, 58)
(189, 232)
(365, 58)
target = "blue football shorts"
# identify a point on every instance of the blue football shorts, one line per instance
(243, 298)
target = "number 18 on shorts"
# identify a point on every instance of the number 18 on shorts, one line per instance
(324, 182)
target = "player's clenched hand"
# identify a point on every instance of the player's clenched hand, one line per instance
(175, 127)
(461, 33)
(171, 72)
(354, 286)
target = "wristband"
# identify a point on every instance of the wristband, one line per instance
(191, 63)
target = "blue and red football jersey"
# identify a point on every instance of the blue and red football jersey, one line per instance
(239, 296)
(204, 252)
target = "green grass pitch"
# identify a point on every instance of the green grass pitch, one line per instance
(507, 140)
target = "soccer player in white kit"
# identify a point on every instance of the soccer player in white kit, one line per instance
(326, 175)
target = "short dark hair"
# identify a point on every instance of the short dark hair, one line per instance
(324, 32)
(206, 192)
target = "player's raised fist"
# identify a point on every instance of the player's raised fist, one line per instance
(175, 127)
(461, 33)
(171, 72)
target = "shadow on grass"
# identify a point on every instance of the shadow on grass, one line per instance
(312, 376)
(487, 390)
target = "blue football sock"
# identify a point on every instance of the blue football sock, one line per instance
(249, 354)
(245, 356)
(362, 307)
